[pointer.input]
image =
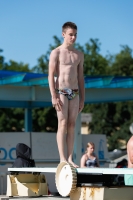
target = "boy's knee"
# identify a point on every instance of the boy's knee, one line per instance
(71, 124)
(63, 123)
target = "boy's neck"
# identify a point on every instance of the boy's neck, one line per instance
(67, 46)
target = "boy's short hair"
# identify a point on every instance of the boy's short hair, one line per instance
(69, 25)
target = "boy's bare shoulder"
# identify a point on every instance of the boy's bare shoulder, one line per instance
(80, 53)
(55, 51)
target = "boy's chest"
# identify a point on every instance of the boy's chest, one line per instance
(69, 58)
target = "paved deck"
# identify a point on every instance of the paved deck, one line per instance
(4, 197)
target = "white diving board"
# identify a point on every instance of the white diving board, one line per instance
(33, 169)
(79, 170)
(105, 170)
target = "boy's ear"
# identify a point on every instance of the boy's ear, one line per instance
(63, 34)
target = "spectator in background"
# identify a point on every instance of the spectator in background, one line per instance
(130, 152)
(122, 164)
(89, 159)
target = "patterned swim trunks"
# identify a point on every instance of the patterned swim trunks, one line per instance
(69, 93)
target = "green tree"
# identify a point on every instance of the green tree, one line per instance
(111, 119)
(114, 119)
(44, 119)
(1, 60)
(14, 66)
(94, 62)
(42, 66)
(12, 119)
(122, 63)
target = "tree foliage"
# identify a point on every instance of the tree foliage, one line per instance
(94, 62)
(112, 119)
(12, 119)
(42, 66)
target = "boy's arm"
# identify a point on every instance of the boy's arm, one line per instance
(53, 61)
(81, 83)
(52, 70)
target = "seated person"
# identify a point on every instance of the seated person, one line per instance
(89, 159)
(122, 164)
(128, 178)
(23, 153)
(130, 152)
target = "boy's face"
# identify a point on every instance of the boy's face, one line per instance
(70, 35)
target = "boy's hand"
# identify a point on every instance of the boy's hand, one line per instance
(81, 106)
(57, 103)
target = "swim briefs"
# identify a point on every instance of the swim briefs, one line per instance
(69, 93)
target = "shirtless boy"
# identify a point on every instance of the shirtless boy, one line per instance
(67, 90)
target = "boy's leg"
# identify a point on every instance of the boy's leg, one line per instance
(73, 108)
(62, 127)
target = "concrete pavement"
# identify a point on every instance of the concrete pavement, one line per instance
(4, 197)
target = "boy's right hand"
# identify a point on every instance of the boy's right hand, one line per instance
(57, 103)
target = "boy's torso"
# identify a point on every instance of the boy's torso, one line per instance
(67, 68)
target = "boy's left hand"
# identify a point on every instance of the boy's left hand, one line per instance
(81, 106)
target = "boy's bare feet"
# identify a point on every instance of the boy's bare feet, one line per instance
(63, 161)
(70, 162)
(73, 164)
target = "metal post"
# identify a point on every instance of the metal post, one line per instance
(28, 120)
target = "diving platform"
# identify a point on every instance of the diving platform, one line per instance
(79, 183)
(78, 170)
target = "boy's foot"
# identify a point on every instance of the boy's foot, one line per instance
(63, 161)
(73, 164)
